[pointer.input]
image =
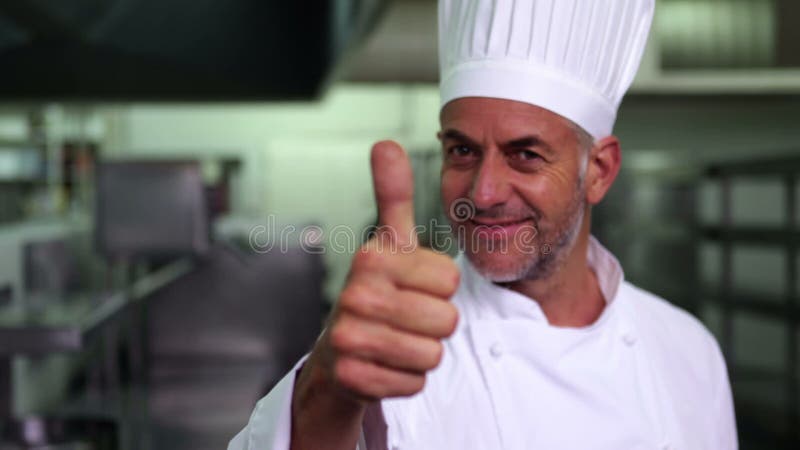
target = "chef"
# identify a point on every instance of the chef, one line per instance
(531, 338)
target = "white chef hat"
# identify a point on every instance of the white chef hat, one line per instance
(573, 57)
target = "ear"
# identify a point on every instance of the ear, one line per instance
(605, 159)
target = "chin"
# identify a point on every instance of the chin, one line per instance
(515, 253)
(503, 266)
(511, 263)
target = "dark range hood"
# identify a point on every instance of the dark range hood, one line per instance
(178, 50)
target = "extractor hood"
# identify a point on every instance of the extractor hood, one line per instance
(202, 50)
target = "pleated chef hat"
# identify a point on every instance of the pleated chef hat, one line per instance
(573, 57)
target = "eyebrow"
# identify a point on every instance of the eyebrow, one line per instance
(524, 141)
(529, 141)
(456, 135)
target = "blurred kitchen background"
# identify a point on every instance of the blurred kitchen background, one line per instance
(153, 156)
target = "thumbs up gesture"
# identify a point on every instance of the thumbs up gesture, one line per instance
(385, 331)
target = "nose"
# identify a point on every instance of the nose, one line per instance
(490, 186)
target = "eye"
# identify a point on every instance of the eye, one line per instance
(526, 155)
(461, 156)
(460, 151)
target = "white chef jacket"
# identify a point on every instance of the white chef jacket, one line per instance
(645, 375)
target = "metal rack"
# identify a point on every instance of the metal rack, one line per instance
(785, 309)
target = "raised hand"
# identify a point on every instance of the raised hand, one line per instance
(385, 331)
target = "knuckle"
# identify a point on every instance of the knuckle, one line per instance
(355, 340)
(343, 338)
(452, 277)
(385, 239)
(451, 320)
(368, 258)
(437, 353)
(370, 346)
(352, 296)
(345, 373)
(420, 385)
(416, 384)
(447, 272)
(365, 301)
(359, 258)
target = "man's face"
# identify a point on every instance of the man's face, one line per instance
(521, 167)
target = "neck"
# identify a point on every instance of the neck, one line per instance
(571, 296)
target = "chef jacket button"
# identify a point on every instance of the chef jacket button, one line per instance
(629, 339)
(495, 350)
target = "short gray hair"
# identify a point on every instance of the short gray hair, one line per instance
(585, 144)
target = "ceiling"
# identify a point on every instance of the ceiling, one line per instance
(176, 49)
(266, 50)
(696, 45)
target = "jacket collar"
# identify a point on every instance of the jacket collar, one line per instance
(495, 302)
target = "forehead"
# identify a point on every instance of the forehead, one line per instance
(502, 117)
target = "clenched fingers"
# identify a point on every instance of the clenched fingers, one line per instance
(424, 270)
(410, 311)
(380, 343)
(370, 380)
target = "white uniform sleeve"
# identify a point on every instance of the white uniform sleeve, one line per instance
(270, 425)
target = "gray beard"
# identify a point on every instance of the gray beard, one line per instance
(540, 264)
(543, 265)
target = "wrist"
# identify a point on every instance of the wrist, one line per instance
(322, 414)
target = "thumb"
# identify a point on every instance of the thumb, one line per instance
(394, 190)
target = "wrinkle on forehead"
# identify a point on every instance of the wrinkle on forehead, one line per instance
(504, 120)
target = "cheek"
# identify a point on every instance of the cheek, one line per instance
(454, 185)
(549, 192)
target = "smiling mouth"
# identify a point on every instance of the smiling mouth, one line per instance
(499, 222)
